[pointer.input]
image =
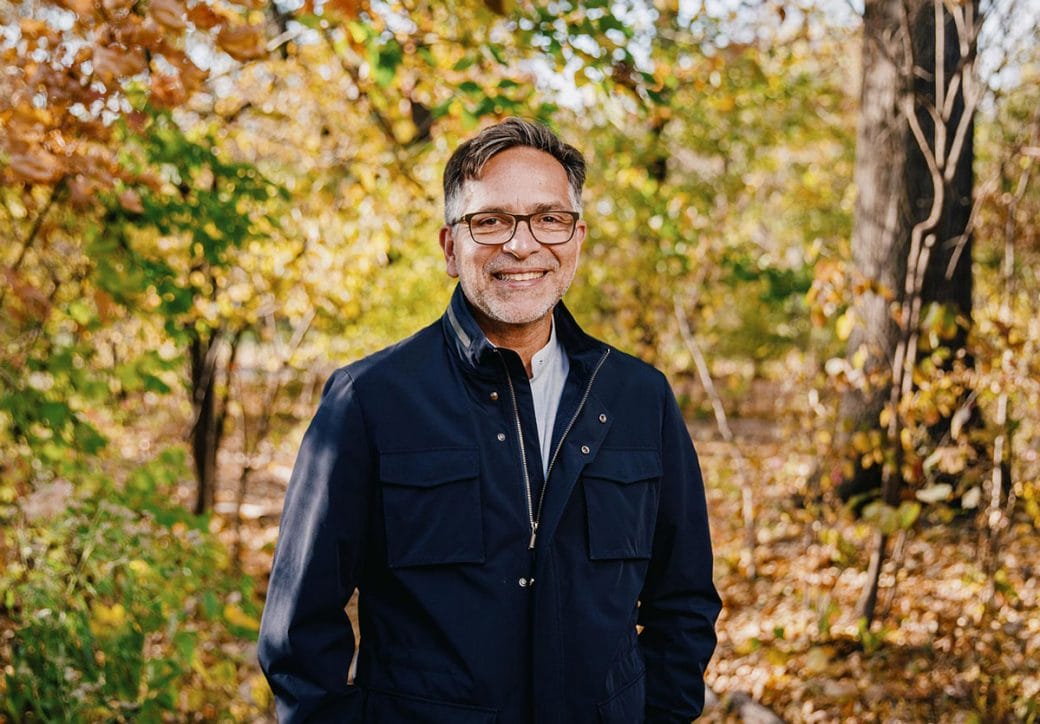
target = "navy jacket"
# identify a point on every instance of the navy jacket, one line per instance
(410, 486)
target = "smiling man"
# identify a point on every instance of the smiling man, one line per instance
(518, 505)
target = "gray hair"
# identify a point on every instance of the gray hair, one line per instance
(469, 159)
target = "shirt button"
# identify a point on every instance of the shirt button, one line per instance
(602, 417)
(501, 437)
(523, 583)
(584, 449)
(493, 396)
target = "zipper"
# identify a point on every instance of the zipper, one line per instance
(566, 431)
(523, 452)
(534, 516)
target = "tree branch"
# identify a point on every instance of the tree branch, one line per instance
(743, 467)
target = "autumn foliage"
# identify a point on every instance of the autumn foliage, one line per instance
(206, 206)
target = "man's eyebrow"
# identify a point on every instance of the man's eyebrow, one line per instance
(536, 209)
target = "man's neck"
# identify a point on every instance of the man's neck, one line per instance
(524, 339)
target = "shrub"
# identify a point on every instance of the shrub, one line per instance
(121, 606)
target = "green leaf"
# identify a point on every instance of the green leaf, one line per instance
(908, 513)
(464, 63)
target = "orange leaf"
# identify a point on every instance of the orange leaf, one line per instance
(167, 90)
(34, 303)
(82, 191)
(242, 42)
(33, 29)
(115, 62)
(168, 13)
(82, 8)
(37, 166)
(192, 76)
(140, 32)
(347, 8)
(131, 201)
(203, 17)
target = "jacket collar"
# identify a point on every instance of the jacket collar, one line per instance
(471, 345)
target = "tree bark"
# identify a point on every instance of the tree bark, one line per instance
(204, 432)
(907, 64)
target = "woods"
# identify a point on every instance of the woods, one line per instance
(822, 224)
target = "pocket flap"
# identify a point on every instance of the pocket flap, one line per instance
(625, 465)
(428, 468)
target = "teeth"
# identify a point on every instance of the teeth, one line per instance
(521, 277)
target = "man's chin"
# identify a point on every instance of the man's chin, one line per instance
(504, 314)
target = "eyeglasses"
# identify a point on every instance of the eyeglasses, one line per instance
(499, 227)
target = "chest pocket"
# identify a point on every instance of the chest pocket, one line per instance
(431, 506)
(621, 495)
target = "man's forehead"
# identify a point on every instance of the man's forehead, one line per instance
(515, 156)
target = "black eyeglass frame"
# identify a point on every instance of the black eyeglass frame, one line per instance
(517, 218)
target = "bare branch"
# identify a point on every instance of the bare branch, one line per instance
(721, 420)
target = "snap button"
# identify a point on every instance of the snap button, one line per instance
(493, 395)
(602, 417)
(501, 437)
(584, 449)
(523, 583)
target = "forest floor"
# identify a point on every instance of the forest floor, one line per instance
(951, 644)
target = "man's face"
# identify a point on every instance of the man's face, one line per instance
(515, 284)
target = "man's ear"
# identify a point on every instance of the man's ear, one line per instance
(580, 231)
(448, 247)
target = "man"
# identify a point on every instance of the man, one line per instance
(509, 496)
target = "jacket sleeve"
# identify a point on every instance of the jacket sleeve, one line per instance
(679, 603)
(306, 640)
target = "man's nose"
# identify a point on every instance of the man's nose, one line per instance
(523, 243)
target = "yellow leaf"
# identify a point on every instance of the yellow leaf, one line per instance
(106, 619)
(845, 325)
(861, 442)
(859, 359)
(140, 567)
(237, 617)
(885, 417)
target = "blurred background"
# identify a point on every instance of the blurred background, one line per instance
(820, 218)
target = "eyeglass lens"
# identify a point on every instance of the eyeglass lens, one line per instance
(550, 227)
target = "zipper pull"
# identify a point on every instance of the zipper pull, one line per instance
(534, 535)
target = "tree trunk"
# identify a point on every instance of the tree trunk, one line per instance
(897, 185)
(204, 432)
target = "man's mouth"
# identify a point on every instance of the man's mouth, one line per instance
(519, 276)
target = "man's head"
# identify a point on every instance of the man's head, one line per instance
(513, 168)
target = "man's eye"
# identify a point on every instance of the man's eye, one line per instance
(488, 222)
(551, 218)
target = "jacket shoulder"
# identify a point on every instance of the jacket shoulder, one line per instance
(635, 371)
(396, 361)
